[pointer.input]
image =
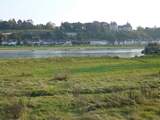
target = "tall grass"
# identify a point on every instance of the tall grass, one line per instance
(85, 88)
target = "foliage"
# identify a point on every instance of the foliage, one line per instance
(24, 30)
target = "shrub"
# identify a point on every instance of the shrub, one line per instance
(90, 117)
(39, 93)
(15, 110)
(113, 101)
(119, 101)
(76, 90)
(25, 74)
(62, 75)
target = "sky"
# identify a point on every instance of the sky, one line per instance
(143, 13)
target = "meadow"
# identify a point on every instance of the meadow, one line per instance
(68, 47)
(80, 88)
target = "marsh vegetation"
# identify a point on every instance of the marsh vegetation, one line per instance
(85, 88)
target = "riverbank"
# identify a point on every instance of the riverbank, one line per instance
(65, 47)
(85, 88)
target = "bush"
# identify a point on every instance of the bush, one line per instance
(15, 110)
(91, 117)
(25, 74)
(39, 93)
(114, 101)
(76, 90)
(119, 101)
(61, 75)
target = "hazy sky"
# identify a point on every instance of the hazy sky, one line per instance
(137, 12)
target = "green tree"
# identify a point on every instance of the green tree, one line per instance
(50, 25)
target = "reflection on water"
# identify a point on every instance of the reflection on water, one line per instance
(124, 53)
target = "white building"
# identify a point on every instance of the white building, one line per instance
(104, 42)
(71, 34)
(113, 26)
(69, 42)
(127, 27)
(9, 42)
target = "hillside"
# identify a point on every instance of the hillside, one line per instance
(26, 30)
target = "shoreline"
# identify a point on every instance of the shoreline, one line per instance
(77, 47)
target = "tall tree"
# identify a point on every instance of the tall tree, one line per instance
(50, 25)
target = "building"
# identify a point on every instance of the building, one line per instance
(7, 34)
(71, 34)
(105, 26)
(127, 27)
(47, 42)
(69, 42)
(9, 42)
(113, 26)
(99, 42)
(32, 42)
(80, 42)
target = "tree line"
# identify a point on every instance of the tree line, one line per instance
(12, 24)
(74, 31)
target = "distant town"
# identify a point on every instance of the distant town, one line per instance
(20, 32)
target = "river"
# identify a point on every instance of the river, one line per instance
(123, 53)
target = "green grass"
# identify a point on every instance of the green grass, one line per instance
(95, 88)
(68, 47)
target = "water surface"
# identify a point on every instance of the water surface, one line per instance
(124, 53)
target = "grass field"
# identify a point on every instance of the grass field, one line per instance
(83, 88)
(67, 47)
